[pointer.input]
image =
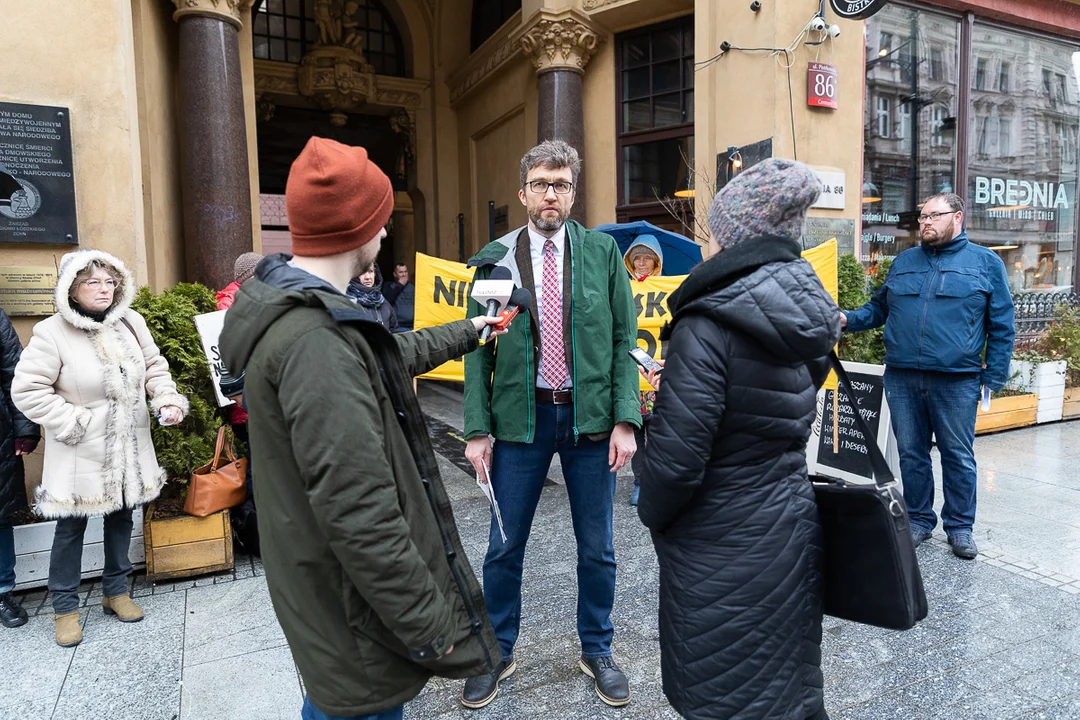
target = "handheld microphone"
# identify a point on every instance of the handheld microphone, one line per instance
(493, 293)
(520, 298)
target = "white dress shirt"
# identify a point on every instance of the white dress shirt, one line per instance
(536, 248)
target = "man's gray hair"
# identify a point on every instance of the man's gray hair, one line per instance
(954, 201)
(552, 155)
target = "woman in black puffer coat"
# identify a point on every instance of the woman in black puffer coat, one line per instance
(18, 437)
(366, 291)
(724, 488)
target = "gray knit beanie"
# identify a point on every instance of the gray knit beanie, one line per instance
(244, 267)
(770, 198)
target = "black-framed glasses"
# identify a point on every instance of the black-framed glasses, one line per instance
(540, 187)
(933, 217)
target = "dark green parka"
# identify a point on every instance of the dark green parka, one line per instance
(365, 567)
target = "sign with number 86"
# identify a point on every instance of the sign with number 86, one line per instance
(821, 82)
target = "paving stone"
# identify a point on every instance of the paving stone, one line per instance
(257, 685)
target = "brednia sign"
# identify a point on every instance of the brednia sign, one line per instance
(1004, 195)
(856, 9)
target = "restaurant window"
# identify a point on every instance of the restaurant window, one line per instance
(901, 169)
(1021, 193)
(655, 121)
(1021, 125)
(284, 30)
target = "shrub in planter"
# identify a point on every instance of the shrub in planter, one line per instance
(855, 290)
(170, 317)
(1062, 342)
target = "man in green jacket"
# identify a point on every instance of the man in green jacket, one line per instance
(366, 571)
(560, 381)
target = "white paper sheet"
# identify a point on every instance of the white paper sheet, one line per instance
(489, 493)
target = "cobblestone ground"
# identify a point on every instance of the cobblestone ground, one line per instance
(1002, 639)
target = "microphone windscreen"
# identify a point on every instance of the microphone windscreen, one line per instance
(500, 273)
(521, 297)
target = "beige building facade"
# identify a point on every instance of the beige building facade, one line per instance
(186, 114)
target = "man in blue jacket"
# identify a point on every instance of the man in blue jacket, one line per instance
(943, 304)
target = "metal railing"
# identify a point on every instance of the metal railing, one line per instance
(1035, 312)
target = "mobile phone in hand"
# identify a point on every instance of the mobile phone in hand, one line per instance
(643, 359)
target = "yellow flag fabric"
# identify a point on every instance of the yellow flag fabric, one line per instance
(442, 294)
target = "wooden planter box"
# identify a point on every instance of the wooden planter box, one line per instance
(33, 548)
(1007, 413)
(1071, 406)
(184, 546)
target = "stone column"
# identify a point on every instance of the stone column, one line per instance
(560, 45)
(215, 185)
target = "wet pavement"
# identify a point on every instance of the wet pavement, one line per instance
(1002, 639)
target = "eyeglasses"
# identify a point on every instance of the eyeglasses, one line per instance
(96, 284)
(540, 187)
(932, 217)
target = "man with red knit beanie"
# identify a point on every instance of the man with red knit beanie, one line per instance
(366, 571)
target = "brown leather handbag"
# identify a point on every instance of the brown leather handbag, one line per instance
(216, 486)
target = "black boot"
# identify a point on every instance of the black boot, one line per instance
(610, 682)
(12, 614)
(480, 691)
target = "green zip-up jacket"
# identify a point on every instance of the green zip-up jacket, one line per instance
(367, 574)
(599, 328)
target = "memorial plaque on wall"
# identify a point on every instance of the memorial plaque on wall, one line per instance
(37, 184)
(27, 290)
(819, 230)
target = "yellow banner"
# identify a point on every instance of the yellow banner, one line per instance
(442, 294)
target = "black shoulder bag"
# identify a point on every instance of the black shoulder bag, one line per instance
(871, 571)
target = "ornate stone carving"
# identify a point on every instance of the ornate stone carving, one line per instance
(400, 98)
(403, 123)
(477, 71)
(227, 10)
(336, 79)
(597, 4)
(279, 78)
(264, 108)
(560, 41)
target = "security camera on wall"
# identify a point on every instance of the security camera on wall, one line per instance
(834, 31)
(819, 24)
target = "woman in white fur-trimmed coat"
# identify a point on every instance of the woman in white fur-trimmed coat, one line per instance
(84, 378)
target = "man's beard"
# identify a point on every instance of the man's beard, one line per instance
(940, 237)
(547, 224)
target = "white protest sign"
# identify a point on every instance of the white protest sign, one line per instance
(209, 327)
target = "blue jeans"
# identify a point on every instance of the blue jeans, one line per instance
(517, 476)
(7, 556)
(310, 712)
(943, 405)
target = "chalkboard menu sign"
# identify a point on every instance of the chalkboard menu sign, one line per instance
(838, 448)
(37, 184)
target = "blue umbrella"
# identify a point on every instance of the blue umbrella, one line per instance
(680, 252)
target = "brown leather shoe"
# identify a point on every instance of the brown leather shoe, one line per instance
(122, 607)
(68, 630)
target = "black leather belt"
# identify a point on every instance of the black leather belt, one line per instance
(555, 397)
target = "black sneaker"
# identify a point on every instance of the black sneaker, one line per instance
(610, 682)
(963, 545)
(480, 691)
(919, 535)
(12, 614)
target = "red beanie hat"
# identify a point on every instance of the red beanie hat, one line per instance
(336, 199)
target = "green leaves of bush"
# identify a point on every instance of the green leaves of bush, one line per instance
(170, 317)
(855, 289)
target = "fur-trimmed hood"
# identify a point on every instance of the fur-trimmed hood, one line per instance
(74, 263)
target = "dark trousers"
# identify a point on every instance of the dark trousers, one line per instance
(7, 556)
(517, 476)
(637, 463)
(942, 406)
(65, 563)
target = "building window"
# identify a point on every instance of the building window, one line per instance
(655, 116)
(937, 64)
(884, 116)
(487, 17)
(284, 31)
(983, 135)
(1005, 145)
(980, 74)
(885, 44)
(939, 116)
(1003, 77)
